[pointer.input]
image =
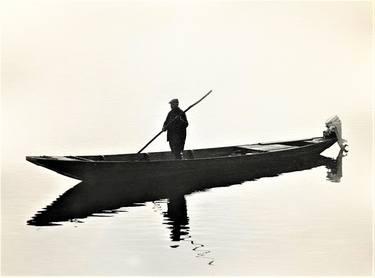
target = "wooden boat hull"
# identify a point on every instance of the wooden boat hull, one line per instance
(201, 164)
(90, 198)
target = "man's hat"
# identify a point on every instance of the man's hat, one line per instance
(175, 100)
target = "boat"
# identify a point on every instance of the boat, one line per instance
(106, 198)
(199, 164)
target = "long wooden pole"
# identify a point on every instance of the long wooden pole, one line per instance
(157, 135)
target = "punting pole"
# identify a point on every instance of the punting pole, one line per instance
(187, 109)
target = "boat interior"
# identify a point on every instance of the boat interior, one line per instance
(203, 153)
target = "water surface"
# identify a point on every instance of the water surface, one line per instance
(312, 219)
(95, 77)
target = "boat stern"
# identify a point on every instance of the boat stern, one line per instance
(334, 130)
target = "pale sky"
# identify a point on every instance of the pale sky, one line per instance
(88, 77)
(95, 77)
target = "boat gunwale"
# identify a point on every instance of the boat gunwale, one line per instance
(309, 144)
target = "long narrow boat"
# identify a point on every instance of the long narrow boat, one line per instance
(90, 198)
(198, 163)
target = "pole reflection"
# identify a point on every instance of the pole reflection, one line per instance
(89, 198)
(105, 197)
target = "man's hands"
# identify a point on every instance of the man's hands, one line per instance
(176, 119)
(181, 119)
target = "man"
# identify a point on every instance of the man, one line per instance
(175, 125)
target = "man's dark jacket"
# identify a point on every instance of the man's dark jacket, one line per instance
(177, 128)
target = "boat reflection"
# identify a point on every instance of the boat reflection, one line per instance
(334, 173)
(97, 198)
(106, 198)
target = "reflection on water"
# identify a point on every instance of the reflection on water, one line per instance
(334, 173)
(176, 217)
(177, 220)
(96, 198)
(86, 199)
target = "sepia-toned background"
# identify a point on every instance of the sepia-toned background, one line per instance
(95, 77)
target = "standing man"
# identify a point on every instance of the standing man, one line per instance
(175, 125)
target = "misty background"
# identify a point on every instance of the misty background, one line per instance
(83, 77)
(95, 77)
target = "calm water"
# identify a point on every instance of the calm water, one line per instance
(315, 220)
(95, 77)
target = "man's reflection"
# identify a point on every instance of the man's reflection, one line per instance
(88, 198)
(177, 218)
